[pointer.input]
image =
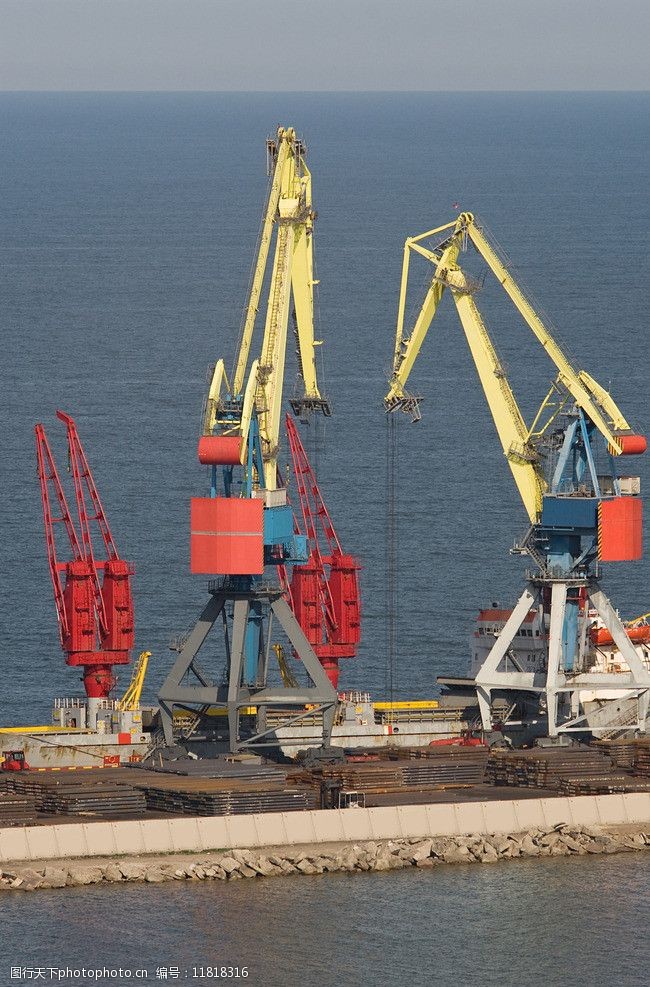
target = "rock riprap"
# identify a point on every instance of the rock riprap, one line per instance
(560, 841)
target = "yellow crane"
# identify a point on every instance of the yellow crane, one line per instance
(580, 514)
(245, 530)
(131, 698)
(518, 440)
(288, 678)
(289, 219)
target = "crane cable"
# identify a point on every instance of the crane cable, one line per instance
(392, 549)
(317, 440)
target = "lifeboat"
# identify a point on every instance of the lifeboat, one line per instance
(639, 634)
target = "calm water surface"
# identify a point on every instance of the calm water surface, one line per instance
(127, 225)
(565, 923)
(561, 923)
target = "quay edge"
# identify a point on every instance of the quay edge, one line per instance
(138, 838)
(384, 855)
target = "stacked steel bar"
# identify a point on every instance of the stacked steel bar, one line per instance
(607, 785)
(107, 801)
(210, 768)
(81, 793)
(445, 767)
(229, 802)
(473, 793)
(642, 759)
(189, 788)
(221, 796)
(434, 751)
(621, 752)
(16, 809)
(545, 767)
(468, 771)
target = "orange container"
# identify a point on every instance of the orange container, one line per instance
(220, 450)
(227, 536)
(620, 529)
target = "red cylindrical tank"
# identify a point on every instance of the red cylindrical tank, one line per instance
(98, 681)
(632, 445)
(220, 450)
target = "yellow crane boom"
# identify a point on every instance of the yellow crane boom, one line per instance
(513, 432)
(131, 698)
(290, 216)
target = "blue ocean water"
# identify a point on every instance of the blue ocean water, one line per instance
(127, 227)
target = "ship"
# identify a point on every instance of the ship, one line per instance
(111, 735)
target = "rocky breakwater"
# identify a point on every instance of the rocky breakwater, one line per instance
(234, 865)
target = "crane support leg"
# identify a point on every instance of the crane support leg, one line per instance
(320, 695)
(561, 680)
(554, 666)
(614, 625)
(236, 670)
(184, 662)
(485, 678)
(303, 648)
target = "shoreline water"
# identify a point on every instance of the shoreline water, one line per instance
(561, 840)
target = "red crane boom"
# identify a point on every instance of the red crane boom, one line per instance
(324, 591)
(96, 624)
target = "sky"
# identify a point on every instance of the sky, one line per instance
(324, 45)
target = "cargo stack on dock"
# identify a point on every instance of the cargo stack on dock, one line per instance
(577, 770)
(220, 797)
(96, 792)
(397, 776)
(16, 809)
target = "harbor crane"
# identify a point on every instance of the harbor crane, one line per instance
(323, 591)
(582, 512)
(244, 533)
(95, 616)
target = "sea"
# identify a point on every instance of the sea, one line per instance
(128, 225)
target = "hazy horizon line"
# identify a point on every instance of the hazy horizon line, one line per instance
(321, 92)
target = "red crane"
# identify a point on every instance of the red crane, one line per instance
(96, 624)
(324, 591)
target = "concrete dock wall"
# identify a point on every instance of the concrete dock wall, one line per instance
(185, 834)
